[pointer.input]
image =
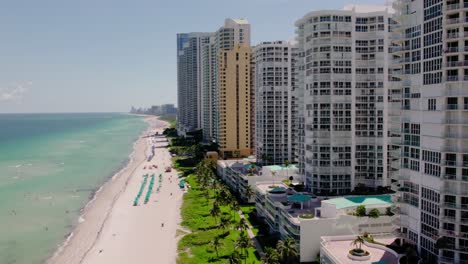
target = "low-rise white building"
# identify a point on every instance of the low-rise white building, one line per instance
(238, 174)
(306, 218)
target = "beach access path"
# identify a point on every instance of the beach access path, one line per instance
(133, 234)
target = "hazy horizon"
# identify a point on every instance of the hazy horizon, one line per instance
(107, 56)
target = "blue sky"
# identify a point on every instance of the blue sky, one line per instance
(107, 55)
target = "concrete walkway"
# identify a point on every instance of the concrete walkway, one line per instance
(252, 235)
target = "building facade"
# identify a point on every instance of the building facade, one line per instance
(233, 32)
(189, 81)
(234, 68)
(432, 55)
(274, 84)
(344, 63)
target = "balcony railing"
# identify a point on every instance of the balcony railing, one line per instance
(452, 78)
(452, 106)
(452, 6)
(453, 21)
(457, 35)
(457, 63)
(454, 190)
(450, 176)
(453, 233)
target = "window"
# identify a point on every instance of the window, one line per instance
(431, 104)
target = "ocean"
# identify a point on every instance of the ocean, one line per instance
(50, 167)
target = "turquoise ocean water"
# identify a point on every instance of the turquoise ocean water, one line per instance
(50, 166)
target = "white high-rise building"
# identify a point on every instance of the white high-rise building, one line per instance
(234, 32)
(432, 58)
(274, 83)
(343, 75)
(189, 80)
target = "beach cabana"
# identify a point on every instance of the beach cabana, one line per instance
(182, 184)
(299, 198)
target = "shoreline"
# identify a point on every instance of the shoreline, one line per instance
(93, 197)
(94, 215)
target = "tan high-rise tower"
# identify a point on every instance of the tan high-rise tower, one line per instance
(235, 101)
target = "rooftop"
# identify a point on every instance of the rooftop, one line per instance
(308, 204)
(354, 201)
(368, 8)
(281, 167)
(339, 246)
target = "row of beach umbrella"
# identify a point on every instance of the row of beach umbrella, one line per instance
(150, 189)
(142, 187)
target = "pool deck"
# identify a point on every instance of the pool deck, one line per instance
(339, 250)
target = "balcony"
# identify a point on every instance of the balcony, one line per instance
(453, 233)
(449, 176)
(455, 121)
(454, 190)
(457, 35)
(452, 106)
(452, 50)
(457, 63)
(452, 6)
(399, 233)
(455, 21)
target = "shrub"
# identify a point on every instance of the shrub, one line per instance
(361, 211)
(306, 216)
(388, 211)
(374, 213)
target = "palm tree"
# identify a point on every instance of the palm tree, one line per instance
(249, 193)
(358, 242)
(235, 207)
(265, 159)
(223, 196)
(242, 225)
(270, 256)
(215, 211)
(273, 173)
(217, 243)
(243, 242)
(286, 165)
(234, 258)
(215, 186)
(287, 250)
(224, 223)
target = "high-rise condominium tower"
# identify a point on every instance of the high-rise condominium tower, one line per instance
(234, 102)
(189, 81)
(274, 83)
(234, 32)
(343, 75)
(433, 75)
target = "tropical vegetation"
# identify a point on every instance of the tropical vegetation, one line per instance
(210, 212)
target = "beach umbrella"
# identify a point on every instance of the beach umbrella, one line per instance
(299, 198)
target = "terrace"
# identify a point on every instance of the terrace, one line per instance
(294, 205)
(336, 250)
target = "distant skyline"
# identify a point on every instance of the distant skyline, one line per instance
(106, 56)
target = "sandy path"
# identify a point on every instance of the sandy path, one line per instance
(115, 231)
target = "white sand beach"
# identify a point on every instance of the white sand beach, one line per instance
(115, 231)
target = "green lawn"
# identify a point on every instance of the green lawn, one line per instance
(196, 247)
(247, 210)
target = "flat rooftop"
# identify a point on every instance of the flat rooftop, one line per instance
(354, 201)
(295, 210)
(281, 167)
(339, 250)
